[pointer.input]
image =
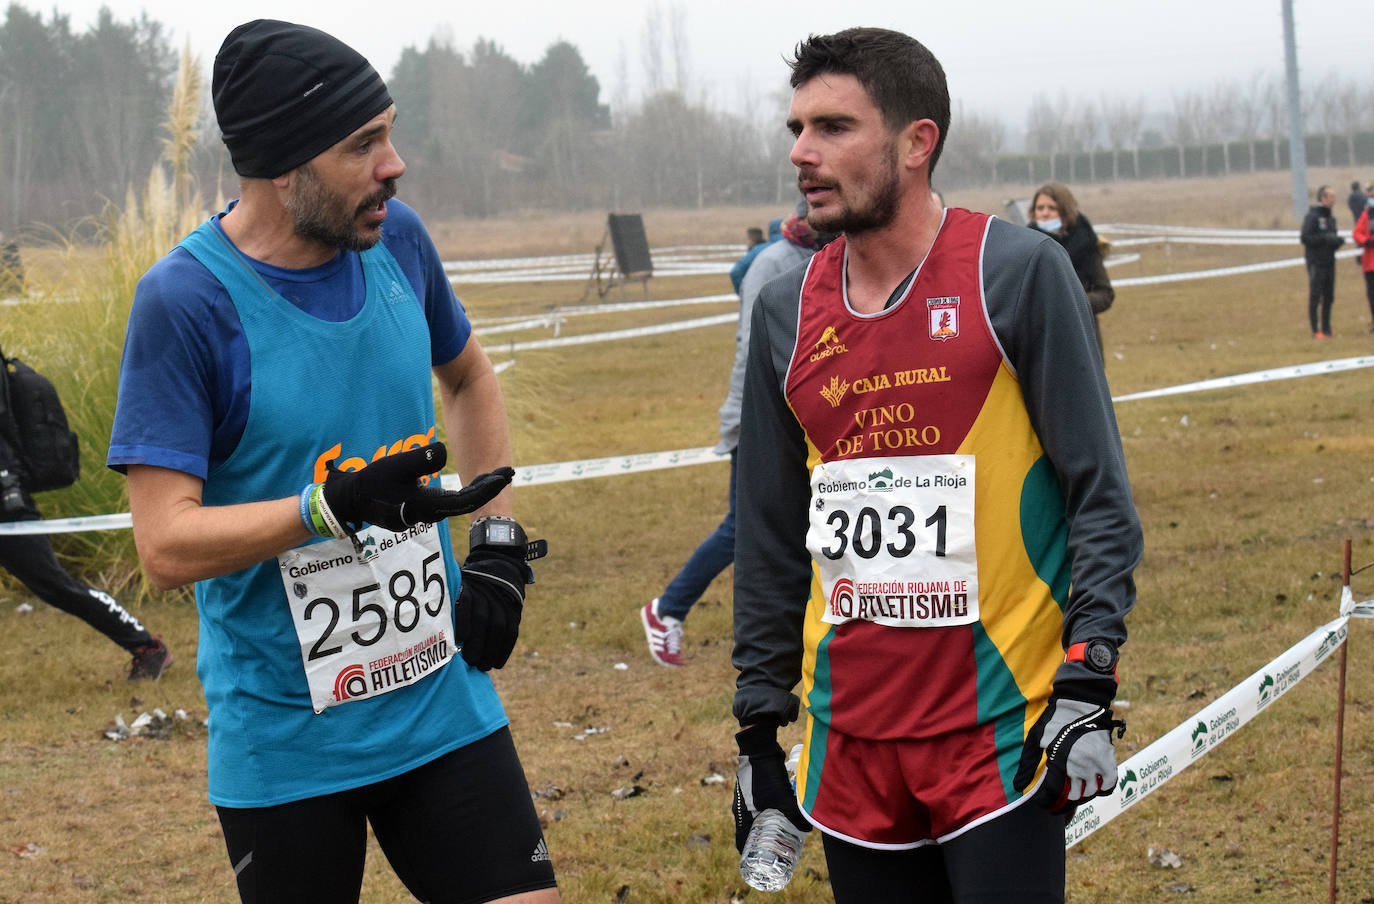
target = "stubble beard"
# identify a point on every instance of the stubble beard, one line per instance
(322, 215)
(879, 212)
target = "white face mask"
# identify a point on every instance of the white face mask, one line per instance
(1048, 225)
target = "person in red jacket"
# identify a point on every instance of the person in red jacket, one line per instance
(1363, 238)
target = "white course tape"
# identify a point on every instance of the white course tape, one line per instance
(1143, 774)
(1221, 271)
(1186, 231)
(557, 316)
(559, 472)
(1258, 376)
(121, 521)
(650, 461)
(611, 335)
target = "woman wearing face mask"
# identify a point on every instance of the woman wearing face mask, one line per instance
(1364, 238)
(1054, 211)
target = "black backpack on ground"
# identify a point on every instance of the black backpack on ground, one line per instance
(35, 424)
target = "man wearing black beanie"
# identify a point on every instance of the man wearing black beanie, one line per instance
(276, 422)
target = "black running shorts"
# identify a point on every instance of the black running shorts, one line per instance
(458, 830)
(1016, 856)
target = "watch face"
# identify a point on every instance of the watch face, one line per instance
(1100, 656)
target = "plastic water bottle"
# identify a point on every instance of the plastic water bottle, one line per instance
(774, 845)
(771, 851)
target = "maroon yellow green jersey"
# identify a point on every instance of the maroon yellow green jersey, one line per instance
(931, 499)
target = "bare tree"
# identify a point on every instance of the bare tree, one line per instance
(972, 148)
(1351, 111)
(1086, 127)
(1325, 101)
(1044, 128)
(1249, 111)
(1276, 115)
(1184, 120)
(1122, 120)
(651, 50)
(677, 45)
(1222, 118)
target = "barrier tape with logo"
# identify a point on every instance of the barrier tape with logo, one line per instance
(583, 469)
(1143, 774)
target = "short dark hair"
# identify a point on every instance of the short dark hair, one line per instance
(902, 78)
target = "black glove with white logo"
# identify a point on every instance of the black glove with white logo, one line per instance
(1075, 737)
(388, 492)
(761, 782)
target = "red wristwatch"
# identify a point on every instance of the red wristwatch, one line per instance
(1097, 654)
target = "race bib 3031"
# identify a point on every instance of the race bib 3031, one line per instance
(894, 540)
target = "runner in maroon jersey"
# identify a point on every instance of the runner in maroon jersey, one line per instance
(936, 536)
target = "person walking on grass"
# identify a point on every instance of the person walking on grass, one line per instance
(936, 538)
(276, 421)
(1320, 240)
(662, 617)
(32, 562)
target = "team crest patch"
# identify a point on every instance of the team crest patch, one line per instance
(944, 317)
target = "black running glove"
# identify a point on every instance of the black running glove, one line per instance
(490, 600)
(761, 782)
(1075, 737)
(388, 492)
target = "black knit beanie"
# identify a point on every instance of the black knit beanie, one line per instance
(284, 92)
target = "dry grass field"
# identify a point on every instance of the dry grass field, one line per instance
(1247, 496)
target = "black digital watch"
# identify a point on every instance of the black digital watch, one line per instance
(497, 533)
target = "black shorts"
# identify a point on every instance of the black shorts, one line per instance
(460, 829)
(1016, 856)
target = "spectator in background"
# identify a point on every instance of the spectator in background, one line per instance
(742, 265)
(31, 560)
(1363, 238)
(1320, 241)
(1357, 200)
(662, 616)
(1054, 211)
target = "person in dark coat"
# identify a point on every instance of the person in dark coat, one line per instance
(1320, 241)
(1357, 200)
(1055, 211)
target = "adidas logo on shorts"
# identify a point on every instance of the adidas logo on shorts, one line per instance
(541, 851)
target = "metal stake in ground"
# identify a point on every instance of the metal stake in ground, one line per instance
(1340, 737)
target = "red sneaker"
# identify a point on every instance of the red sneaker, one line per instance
(664, 634)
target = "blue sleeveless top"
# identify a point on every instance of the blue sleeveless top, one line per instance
(320, 390)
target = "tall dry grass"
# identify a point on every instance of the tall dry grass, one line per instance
(71, 328)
